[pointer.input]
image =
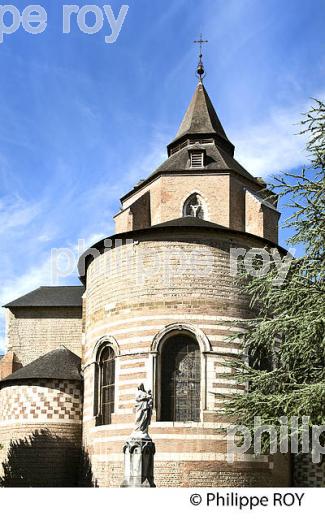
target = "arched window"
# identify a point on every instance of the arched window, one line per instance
(193, 207)
(180, 379)
(105, 386)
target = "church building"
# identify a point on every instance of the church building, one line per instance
(157, 305)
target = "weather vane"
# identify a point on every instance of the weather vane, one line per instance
(200, 68)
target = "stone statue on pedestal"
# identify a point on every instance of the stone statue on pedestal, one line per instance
(143, 408)
(139, 449)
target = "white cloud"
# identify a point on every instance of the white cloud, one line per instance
(88, 241)
(45, 237)
(15, 212)
(39, 274)
(273, 145)
(141, 166)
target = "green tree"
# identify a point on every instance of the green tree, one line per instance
(290, 317)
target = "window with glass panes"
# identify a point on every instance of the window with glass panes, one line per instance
(107, 384)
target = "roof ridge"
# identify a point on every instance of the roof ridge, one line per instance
(50, 296)
(56, 286)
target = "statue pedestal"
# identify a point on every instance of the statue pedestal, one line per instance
(139, 462)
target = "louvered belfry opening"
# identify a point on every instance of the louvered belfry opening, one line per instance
(197, 160)
(180, 379)
(107, 384)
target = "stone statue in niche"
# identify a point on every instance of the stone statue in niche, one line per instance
(143, 413)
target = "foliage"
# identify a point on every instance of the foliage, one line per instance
(290, 318)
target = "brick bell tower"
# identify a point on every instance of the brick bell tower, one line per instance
(159, 306)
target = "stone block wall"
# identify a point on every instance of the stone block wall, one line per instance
(260, 219)
(186, 455)
(226, 202)
(169, 192)
(34, 331)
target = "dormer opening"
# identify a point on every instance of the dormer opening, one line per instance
(194, 207)
(197, 158)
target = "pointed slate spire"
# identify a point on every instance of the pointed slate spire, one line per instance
(201, 117)
(201, 121)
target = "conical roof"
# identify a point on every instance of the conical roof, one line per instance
(200, 117)
(200, 128)
(201, 120)
(60, 363)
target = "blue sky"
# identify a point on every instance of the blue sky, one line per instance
(82, 121)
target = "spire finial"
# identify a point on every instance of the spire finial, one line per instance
(200, 68)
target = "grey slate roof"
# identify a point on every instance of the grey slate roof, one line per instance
(216, 159)
(200, 122)
(60, 363)
(59, 296)
(201, 117)
(189, 221)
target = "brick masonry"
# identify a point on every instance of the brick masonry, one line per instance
(162, 282)
(40, 455)
(40, 430)
(225, 197)
(41, 400)
(7, 365)
(34, 331)
(306, 473)
(133, 293)
(185, 474)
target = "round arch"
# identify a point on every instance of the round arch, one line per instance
(158, 343)
(105, 388)
(104, 341)
(176, 328)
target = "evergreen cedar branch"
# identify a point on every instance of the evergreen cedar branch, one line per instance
(294, 383)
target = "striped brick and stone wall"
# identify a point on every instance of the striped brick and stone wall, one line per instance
(40, 432)
(137, 294)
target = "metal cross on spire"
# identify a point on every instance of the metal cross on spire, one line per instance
(200, 68)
